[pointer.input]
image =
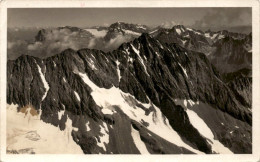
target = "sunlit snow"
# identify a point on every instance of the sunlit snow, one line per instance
(153, 31)
(107, 111)
(25, 131)
(60, 114)
(160, 44)
(183, 41)
(184, 70)
(178, 31)
(64, 80)
(118, 70)
(130, 32)
(138, 142)
(46, 86)
(104, 138)
(87, 126)
(194, 31)
(77, 95)
(138, 53)
(207, 35)
(97, 33)
(92, 64)
(221, 36)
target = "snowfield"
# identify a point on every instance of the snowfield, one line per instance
(28, 134)
(97, 33)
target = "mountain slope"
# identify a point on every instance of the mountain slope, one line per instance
(133, 99)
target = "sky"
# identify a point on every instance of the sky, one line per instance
(86, 17)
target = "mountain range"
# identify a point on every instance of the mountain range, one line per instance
(163, 91)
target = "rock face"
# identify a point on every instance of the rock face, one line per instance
(241, 83)
(136, 99)
(40, 37)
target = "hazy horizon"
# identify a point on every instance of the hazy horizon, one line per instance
(198, 18)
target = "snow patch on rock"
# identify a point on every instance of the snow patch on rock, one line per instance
(92, 64)
(104, 138)
(45, 83)
(138, 142)
(178, 31)
(118, 70)
(130, 32)
(141, 60)
(60, 114)
(87, 126)
(184, 70)
(77, 95)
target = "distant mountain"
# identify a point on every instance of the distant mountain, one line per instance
(226, 50)
(234, 29)
(148, 96)
(186, 37)
(124, 29)
(73, 32)
(232, 54)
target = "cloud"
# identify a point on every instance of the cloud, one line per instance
(34, 46)
(117, 41)
(114, 43)
(106, 24)
(221, 17)
(57, 41)
(15, 48)
(92, 43)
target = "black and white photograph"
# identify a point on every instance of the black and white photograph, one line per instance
(129, 80)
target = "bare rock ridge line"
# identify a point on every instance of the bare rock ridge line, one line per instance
(228, 51)
(150, 75)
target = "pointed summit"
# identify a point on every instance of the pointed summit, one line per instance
(145, 36)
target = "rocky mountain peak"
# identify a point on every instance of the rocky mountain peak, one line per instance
(144, 37)
(40, 37)
(121, 26)
(181, 27)
(71, 28)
